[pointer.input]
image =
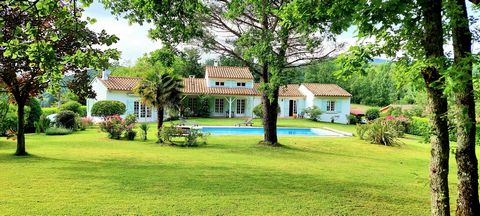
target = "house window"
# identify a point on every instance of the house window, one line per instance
(219, 105)
(241, 84)
(136, 108)
(220, 83)
(191, 103)
(142, 111)
(241, 106)
(149, 112)
(330, 106)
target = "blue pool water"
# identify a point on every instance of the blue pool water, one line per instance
(259, 131)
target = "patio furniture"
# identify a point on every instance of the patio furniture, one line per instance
(247, 122)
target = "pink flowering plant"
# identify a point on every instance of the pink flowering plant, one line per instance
(115, 126)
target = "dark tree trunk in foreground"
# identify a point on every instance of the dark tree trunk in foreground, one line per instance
(433, 45)
(467, 174)
(270, 113)
(21, 151)
(159, 123)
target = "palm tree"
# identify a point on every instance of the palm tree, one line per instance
(162, 90)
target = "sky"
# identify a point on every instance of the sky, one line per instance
(134, 41)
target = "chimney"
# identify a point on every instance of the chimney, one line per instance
(215, 63)
(191, 76)
(105, 74)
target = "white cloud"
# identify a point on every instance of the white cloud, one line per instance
(134, 40)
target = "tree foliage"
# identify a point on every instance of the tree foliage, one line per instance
(39, 42)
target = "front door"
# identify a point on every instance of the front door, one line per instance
(292, 108)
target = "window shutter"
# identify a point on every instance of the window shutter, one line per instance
(338, 106)
(129, 107)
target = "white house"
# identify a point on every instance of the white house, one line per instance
(233, 93)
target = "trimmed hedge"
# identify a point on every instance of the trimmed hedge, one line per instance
(419, 126)
(108, 108)
(66, 119)
(73, 106)
(372, 114)
(49, 110)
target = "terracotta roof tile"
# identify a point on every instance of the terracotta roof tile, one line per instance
(227, 72)
(326, 90)
(290, 90)
(120, 83)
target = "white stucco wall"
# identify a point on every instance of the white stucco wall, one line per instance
(125, 97)
(229, 83)
(342, 109)
(309, 97)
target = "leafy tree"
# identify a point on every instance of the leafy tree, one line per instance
(416, 28)
(268, 36)
(39, 40)
(160, 89)
(191, 63)
(462, 88)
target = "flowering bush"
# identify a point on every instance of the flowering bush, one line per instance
(87, 121)
(113, 125)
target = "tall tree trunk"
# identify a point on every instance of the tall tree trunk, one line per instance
(433, 45)
(160, 115)
(21, 151)
(467, 174)
(270, 119)
(270, 113)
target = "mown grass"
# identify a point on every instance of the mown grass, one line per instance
(87, 174)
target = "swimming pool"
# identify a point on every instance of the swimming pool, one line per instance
(259, 131)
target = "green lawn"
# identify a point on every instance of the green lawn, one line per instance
(87, 174)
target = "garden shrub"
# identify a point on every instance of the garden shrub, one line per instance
(144, 129)
(108, 108)
(353, 119)
(83, 111)
(400, 124)
(419, 127)
(66, 119)
(258, 110)
(35, 111)
(192, 137)
(73, 106)
(382, 132)
(372, 114)
(129, 124)
(49, 110)
(53, 131)
(362, 130)
(385, 131)
(87, 121)
(43, 124)
(10, 120)
(313, 112)
(113, 125)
